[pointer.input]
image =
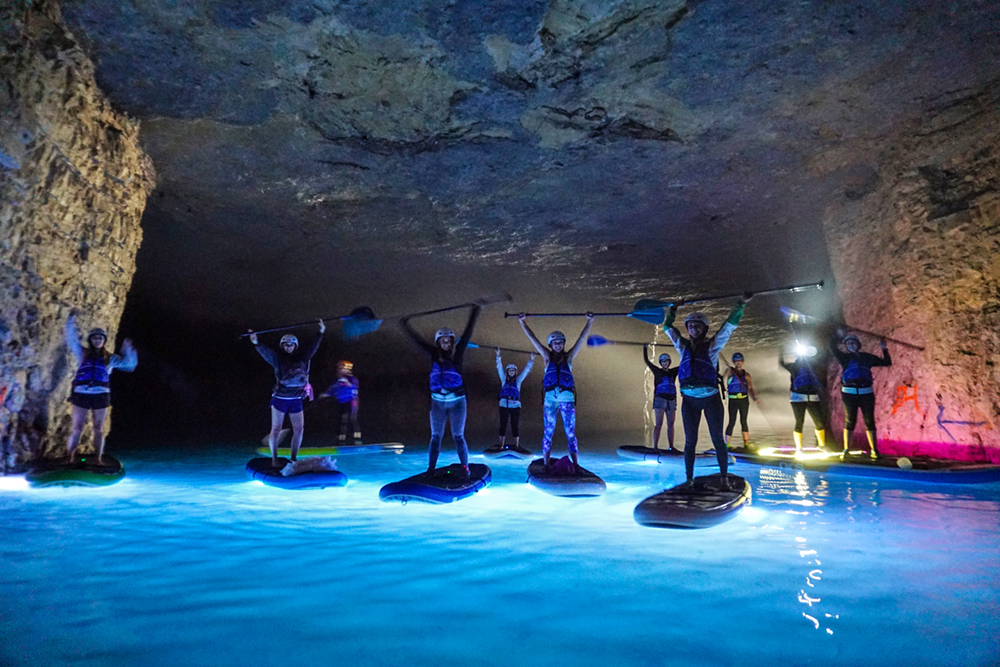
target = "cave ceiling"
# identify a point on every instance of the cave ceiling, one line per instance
(313, 155)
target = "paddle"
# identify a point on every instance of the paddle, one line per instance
(598, 341)
(652, 315)
(476, 346)
(796, 316)
(648, 304)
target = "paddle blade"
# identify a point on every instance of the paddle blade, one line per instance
(597, 341)
(652, 304)
(360, 322)
(651, 315)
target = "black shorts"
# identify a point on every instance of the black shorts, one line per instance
(90, 401)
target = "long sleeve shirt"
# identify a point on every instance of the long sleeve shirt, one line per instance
(502, 372)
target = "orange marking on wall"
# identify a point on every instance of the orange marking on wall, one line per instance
(906, 393)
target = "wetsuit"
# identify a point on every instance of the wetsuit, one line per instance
(560, 398)
(448, 402)
(856, 387)
(805, 393)
(698, 375)
(738, 389)
(345, 390)
(92, 382)
(291, 374)
(510, 398)
(664, 387)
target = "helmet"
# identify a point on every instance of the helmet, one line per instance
(289, 338)
(346, 365)
(664, 356)
(510, 366)
(737, 357)
(97, 331)
(697, 316)
(441, 333)
(853, 337)
(556, 335)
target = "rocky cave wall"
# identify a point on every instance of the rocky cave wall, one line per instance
(73, 186)
(918, 259)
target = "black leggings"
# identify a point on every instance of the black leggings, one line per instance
(799, 408)
(691, 409)
(514, 414)
(851, 404)
(739, 406)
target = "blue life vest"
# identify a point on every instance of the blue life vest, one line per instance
(666, 387)
(696, 368)
(93, 372)
(445, 378)
(345, 390)
(857, 374)
(737, 384)
(805, 381)
(509, 390)
(558, 374)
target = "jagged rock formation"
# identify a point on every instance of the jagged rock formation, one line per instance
(919, 260)
(73, 185)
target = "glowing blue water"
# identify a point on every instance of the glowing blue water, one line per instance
(187, 563)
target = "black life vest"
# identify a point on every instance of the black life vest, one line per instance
(93, 372)
(696, 368)
(557, 373)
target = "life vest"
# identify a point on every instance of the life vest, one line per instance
(557, 373)
(737, 382)
(345, 390)
(509, 390)
(666, 387)
(93, 372)
(696, 368)
(445, 378)
(805, 381)
(856, 374)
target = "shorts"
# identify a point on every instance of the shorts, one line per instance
(664, 403)
(91, 401)
(287, 405)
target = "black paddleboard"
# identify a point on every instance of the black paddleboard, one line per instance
(703, 504)
(85, 471)
(558, 482)
(444, 485)
(507, 452)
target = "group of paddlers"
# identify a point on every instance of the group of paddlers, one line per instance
(697, 375)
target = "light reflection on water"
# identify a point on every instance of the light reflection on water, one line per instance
(186, 562)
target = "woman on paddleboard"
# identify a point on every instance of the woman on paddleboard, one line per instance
(805, 396)
(856, 389)
(448, 401)
(510, 398)
(664, 396)
(91, 393)
(345, 390)
(291, 374)
(698, 375)
(560, 389)
(739, 387)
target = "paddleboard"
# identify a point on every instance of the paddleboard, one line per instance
(445, 485)
(85, 471)
(507, 452)
(703, 504)
(558, 482)
(260, 469)
(338, 450)
(639, 453)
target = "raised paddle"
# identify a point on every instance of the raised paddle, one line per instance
(652, 315)
(598, 341)
(477, 346)
(647, 304)
(363, 317)
(802, 318)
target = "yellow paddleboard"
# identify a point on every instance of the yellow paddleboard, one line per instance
(339, 450)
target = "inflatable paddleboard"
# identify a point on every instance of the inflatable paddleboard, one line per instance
(445, 485)
(85, 471)
(507, 452)
(394, 447)
(558, 481)
(638, 453)
(916, 469)
(260, 469)
(702, 505)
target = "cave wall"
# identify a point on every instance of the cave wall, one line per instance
(917, 258)
(73, 186)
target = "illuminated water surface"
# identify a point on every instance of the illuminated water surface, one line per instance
(186, 562)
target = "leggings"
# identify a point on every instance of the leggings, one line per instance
(739, 406)
(691, 409)
(514, 414)
(443, 413)
(348, 416)
(549, 412)
(799, 408)
(851, 404)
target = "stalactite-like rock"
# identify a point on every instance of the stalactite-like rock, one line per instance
(73, 185)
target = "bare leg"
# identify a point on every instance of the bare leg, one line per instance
(298, 430)
(657, 427)
(98, 417)
(670, 428)
(79, 421)
(277, 420)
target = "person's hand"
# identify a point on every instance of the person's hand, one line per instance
(127, 345)
(253, 336)
(841, 332)
(521, 316)
(532, 356)
(883, 344)
(498, 353)
(747, 296)
(590, 316)
(322, 326)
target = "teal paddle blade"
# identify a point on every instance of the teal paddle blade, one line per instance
(651, 315)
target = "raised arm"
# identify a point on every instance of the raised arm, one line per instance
(127, 360)
(886, 359)
(463, 342)
(267, 353)
(500, 370)
(645, 357)
(671, 330)
(533, 338)
(415, 337)
(527, 369)
(310, 351)
(578, 345)
(72, 336)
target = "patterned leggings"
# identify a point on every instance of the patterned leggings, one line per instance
(568, 410)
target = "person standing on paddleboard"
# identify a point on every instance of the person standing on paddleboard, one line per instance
(510, 398)
(664, 396)
(559, 386)
(739, 386)
(91, 392)
(698, 374)
(345, 390)
(291, 374)
(856, 389)
(805, 397)
(448, 401)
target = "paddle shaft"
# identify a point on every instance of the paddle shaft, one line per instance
(816, 320)
(733, 295)
(568, 314)
(295, 326)
(476, 346)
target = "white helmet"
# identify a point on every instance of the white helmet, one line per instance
(510, 366)
(556, 335)
(441, 333)
(289, 338)
(697, 316)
